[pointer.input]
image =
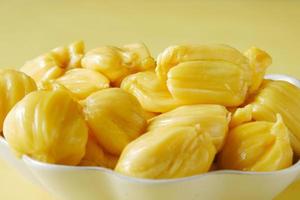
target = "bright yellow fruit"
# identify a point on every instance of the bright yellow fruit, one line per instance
(150, 91)
(83, 82)
(76, 53)
(212, 119)
(115, 118)
(47, 126)
(259, 61)
(53, 64)
(208, 82)
(42, 68)
(171, 152)
(53, 86)
(177, 54)
(116, 63)
(257, 146)
(205, 74)
(69, 57)
(241, 115)
(95, 155)
(279, 97)
(211, 74)
(14, 85)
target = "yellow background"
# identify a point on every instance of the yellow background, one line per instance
(31, 27)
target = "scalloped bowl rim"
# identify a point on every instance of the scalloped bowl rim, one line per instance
(48, 166)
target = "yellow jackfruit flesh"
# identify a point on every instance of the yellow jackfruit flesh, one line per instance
(257, 146)
(76, 53)
(171, 152)
(212, 119)
(52, 85)
(69, 57)
(259, 61)
(152, 94)
(177, 54)
(241, 115)
(42, 68)
(83, 82)
(167, 120)
(283, 98)
(116, 63)
(47, 126)
(211, 74)
(208, 82)
(53, 64)
(96, 156)
(115, 117)
(214, 74)
(14, 85)
(139, 57)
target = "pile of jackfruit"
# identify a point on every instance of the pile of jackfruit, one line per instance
(194, 109)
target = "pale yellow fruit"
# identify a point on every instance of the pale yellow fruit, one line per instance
(83, 82)
(257, 146)
(14, 85)
(212, 119)
(53, 64)
(47, 126)
(150, 91)
(259, 62)
(116, 63)
(208, 82)
(96, 156)
(115, 117)
(171, 152)
(279, 97)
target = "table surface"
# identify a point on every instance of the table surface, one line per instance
(29, 28)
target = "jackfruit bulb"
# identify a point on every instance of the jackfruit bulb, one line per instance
(83, 82)
(209, 74)
(212, 119)
(47, 126)
(171, 152)
(42, 68)
(259, 61)
(150, 91)
(283, 98)
(116, 63)
(14, 85)
(257, 146)
(53, 64)
(115, 117)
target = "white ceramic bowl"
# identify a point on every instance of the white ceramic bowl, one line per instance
(97, 183)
